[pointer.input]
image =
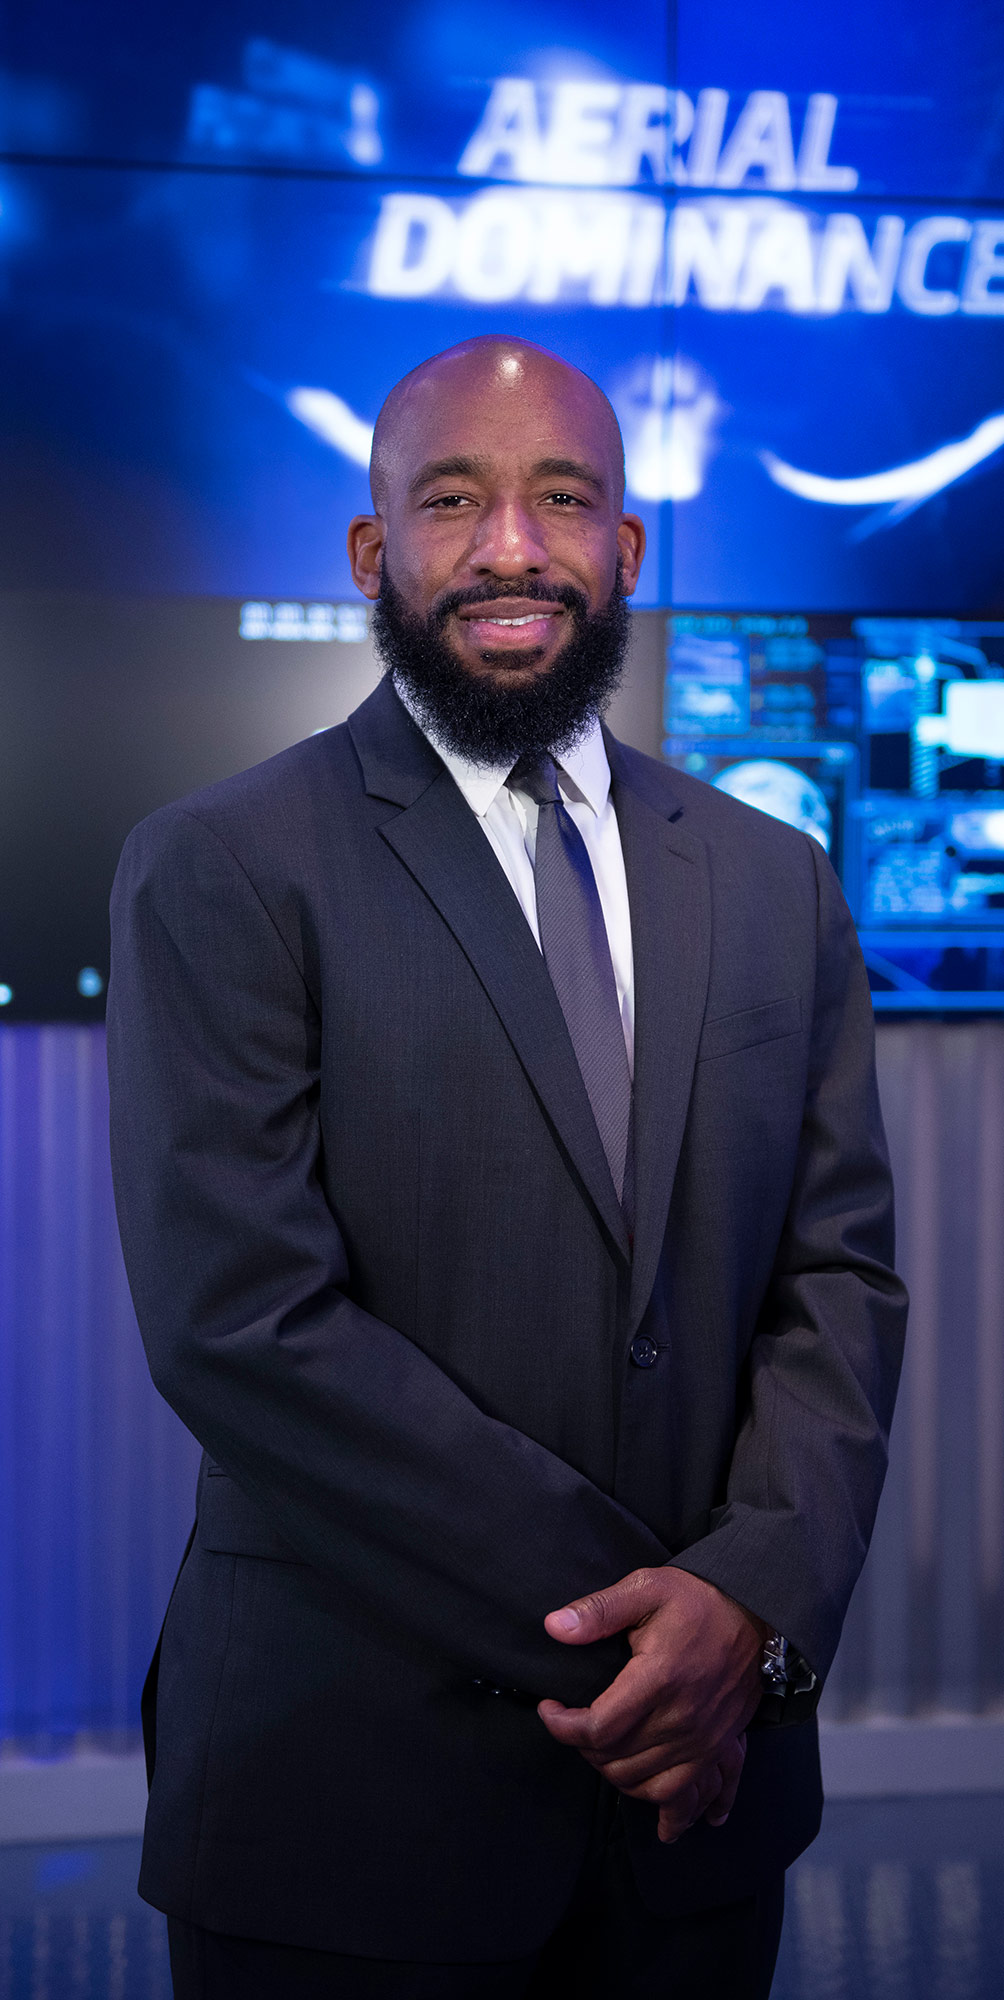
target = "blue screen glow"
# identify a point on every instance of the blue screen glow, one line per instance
(774, 236)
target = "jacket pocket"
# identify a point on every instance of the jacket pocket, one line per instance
(230, 1524)
(751, 1026)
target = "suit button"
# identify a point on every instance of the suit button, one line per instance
(644, 1352)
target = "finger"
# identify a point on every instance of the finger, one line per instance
(730, 1765)
(634, 1702)
(671, 1826)
(657, 1761)
(565, 1724)
(692, 1795)
(603, 1612)
(633, 1719)
(630, 1773)
(578, 1729)
(678, 1808)
(682, 1797)
(686, 1789)
(633, 1713)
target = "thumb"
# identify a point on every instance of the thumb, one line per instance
(604, 1612)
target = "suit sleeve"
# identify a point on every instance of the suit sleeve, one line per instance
(811, 1450)
(364, 1455)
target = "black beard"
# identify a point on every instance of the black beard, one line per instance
(481, 719)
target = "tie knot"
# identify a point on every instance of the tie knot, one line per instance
(537, 777)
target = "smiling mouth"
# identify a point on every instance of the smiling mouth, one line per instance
(522, 613)
(522, 624)
(530, 619)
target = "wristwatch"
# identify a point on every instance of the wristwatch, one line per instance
(783, 1671)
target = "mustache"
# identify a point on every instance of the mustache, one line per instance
(530, 589)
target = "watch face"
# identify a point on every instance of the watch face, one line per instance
(774, 1663)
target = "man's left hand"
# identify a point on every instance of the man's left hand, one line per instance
(670, 1728)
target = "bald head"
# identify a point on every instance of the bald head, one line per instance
(508, 380)
(497, 472)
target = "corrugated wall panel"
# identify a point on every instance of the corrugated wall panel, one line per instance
(97, 1476)
(925, 1628)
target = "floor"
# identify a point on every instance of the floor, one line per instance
(900, 1899)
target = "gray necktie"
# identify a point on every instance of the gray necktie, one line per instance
(573, 938)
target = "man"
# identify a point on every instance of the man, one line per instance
(506, 1207)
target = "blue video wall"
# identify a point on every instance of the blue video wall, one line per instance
(774, 235)
(883, 739)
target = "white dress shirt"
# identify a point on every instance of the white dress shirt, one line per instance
(509, 820)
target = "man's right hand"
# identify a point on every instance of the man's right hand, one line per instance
(670, 1729)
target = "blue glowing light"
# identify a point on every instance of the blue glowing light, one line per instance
(347, 623)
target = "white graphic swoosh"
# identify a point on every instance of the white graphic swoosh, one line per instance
(906, 485)
(329, 418)
(901, 488)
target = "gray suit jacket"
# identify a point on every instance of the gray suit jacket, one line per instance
(381, 1273)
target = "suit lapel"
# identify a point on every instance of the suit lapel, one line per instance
(669, 896)
(437, 838)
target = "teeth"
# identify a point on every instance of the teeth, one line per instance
(531, 619)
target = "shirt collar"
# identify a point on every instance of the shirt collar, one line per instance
(584, 766)
(587, 767)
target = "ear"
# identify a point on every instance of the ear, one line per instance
(631, 549)
(367, 534)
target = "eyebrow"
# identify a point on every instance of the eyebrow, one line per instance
(463, 467)
(458, 467)
(568, 468)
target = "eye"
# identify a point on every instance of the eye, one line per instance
(448, 500)
(564, 500)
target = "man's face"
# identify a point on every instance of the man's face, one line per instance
(500, 525)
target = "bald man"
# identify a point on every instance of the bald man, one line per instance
(506, 1208)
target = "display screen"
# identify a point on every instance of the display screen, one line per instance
(778, 243)
(883, 739)
(775, 238)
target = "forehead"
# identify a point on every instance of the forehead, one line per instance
(509, 416)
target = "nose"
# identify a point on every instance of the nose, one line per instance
(509, 542)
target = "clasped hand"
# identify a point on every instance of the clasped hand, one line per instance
(671, 1729)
